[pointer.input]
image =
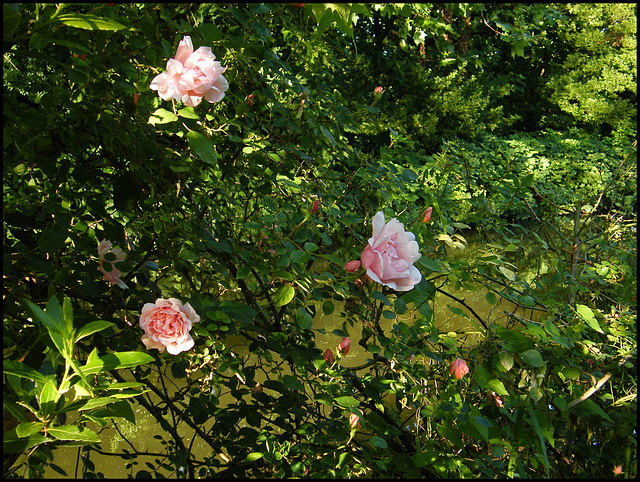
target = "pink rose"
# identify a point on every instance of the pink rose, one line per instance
(390, 254)
(328, 356)
(352, 266)
(167, 324)
(113, 275)
(377, 90)
(459, 368)
(344, 345)
(191, 76)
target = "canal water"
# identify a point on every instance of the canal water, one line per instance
(142, 436)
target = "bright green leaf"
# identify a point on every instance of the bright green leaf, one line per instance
(285, 295)
(89, 22)
(73, 432)
(587, 315)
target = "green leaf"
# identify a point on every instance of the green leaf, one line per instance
(498, 387)
(478, 420)
(73, 432)
(328, 135)
(12, 443)
(491, 298)
(67, 315)
(377, 295)
(379, 442)
(536, 426)
(113, 361)
(254, 456)
(593, 407)
(203, 147)
(23, 371)
(532, 357)
(510, 275)
(91, 328)
(88, 404)
(587, 315)
(506, 360)
(10, 19)
(188, 113)
(47, 398)
(285, 295)
(89, 22)
(346, 401)
(162, 116)
(304, 319)
(27, 429)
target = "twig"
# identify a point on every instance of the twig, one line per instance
(598, 385)
(462, 302)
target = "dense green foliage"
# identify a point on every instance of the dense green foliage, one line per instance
(513, 121)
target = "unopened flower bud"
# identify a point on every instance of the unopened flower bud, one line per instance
(344, 346)
(459, 368)
(426, 215)
(352, 266)
(328, 356)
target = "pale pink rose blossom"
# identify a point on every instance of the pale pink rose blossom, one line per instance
(390, 254)
(112, 276)
(459, 368)
(344, 346)
(352, 266)
(166, 324)
(191, 76)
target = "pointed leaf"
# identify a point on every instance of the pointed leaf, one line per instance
(285, 295)
(203, 147)
(73, 432)
(533, 358)
(23, 371)
(89, 22)
(113, 361)
(587, 315)
(91, 328)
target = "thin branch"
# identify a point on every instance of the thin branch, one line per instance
(599, 384)
(462, 302)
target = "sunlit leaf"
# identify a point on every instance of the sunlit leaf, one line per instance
(285, 295)
(587, 315)
(89, 22)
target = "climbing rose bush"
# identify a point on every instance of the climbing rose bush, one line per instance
(390, 254)
(112, 275)
(167, 324)
(191, 76)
